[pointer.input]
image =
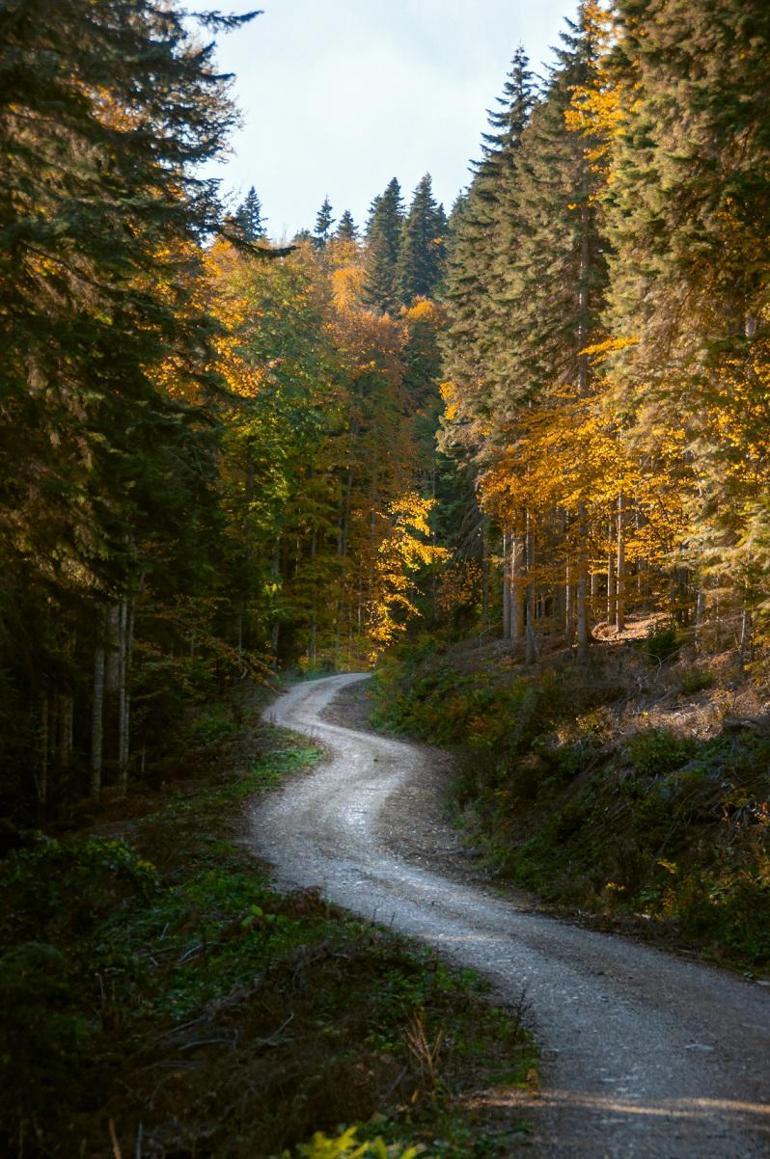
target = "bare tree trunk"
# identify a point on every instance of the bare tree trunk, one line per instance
(518, 565)
(530, 595)
(313, 649)
(581, 606)
(620, 612)
(125, 631)
(65, 722)
(746, 642)
(507, 545)
(44, 741)
(275, 572)
(700, 617)
(612, 583)
(97, 715)
(582, 615)
(569, 606)
(485, 573)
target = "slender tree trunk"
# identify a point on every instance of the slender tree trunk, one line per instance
(700, 617)
(314, 609)
(581, 609)
(530, 594)
(620, 613)
(506, 587)
(97, 714)
(569, 606)
(518, 565)
(582, 613)
(485, 573)
(746, 641)
(275, 572)
(66, 718)
(44, 743)
(125, 642)
(612, 582)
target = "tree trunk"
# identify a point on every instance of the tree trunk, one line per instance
(97, 716)
(125, 632)
(507, 545)
(530, 639)
(746, 642)
(518, 565)
(485, 573)
(65, 722)
(612, 584)
(44, 741)
(582, 615)
(620, 614)
(700, 617)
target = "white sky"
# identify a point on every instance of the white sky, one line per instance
(338, 96)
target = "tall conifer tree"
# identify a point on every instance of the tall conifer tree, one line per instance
(420, 262)
(383, 239)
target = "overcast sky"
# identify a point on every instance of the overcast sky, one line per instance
(338, 96)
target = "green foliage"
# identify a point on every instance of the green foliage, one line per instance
(694, 680)
(654, 751)
(112, 971)
(662, 644)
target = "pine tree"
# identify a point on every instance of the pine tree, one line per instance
(248, 217)
(383, 239)
(323, 224)
(420, 263)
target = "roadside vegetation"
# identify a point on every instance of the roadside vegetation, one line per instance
(633, 788)
(161, 998)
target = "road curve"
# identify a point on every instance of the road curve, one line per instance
(644, 1054)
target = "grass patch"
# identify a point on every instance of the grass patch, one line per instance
(157, 990)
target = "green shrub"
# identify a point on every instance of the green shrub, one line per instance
(662, 644)
(696, 680)
(655, 751)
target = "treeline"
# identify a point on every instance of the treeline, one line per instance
(607, 357)
(213, 451)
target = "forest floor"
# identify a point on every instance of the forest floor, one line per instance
(644, 1053)
(161, 999)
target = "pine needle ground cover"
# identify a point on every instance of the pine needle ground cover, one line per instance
(632, 790)
(160, 998)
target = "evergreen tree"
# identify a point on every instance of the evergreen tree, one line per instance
(248, 217)
(482, 241)
(346, 229)
(107, 456)
(688, 211)
(323, 224)
(420, 262)
(383, 238)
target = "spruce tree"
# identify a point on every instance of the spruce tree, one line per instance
(481, 244)
(107, 457)
(421, 253)
(248, 217)
(346, 228)
(323, 224)
(383, 238)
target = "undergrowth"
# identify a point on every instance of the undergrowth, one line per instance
(160, 998)
(593, 805)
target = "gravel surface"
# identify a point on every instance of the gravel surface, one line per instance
(644, 1054)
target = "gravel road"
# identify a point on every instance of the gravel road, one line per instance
(644, 1054)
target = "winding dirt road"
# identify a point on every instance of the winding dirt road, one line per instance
(644, 1054)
